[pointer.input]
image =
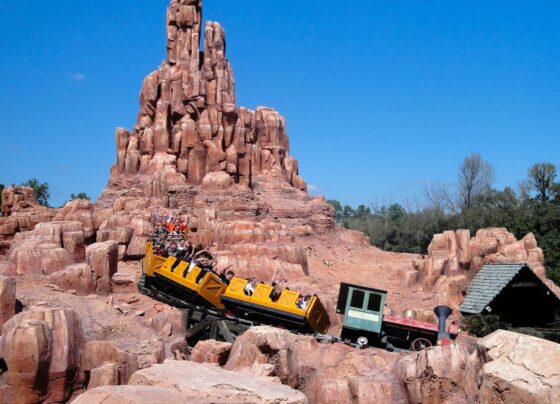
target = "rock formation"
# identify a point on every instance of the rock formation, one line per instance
(193, 382)
(211, 351)
(325, 373)
(49, 248)
(189, 126)
(41, 350)
(503, 367)
(20, 212)
(226, 169)
(7, 299)
(454, 258)
(521, 369)
(78, 210)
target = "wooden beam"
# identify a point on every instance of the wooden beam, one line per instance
(198, 328)
(226, 333)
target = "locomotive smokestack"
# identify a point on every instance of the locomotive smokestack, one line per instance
(443, 312)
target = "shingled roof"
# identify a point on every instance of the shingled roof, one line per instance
(487, 284)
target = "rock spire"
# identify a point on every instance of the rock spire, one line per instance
(189, 126)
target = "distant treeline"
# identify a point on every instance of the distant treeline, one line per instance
(471, 203)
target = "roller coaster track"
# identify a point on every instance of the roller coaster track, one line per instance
(200, 322)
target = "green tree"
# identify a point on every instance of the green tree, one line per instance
(1, 189)
(347, 212)
(81, 195)
(396, 212)
(41, 191)
(362, 211)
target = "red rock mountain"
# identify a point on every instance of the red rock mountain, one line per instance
(79, 322)
(227, 169)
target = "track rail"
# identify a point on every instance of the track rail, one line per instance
(201, 322)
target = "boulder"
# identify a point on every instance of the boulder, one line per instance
(103, 260)
(217, 180)
(209, 383)
(123, 283)
(26, 350)
(520, 369)
(168, 323)
(441, 374)
(41, 349)
(73, 241)
(211, 351)
(130, 395)
(78, 277)
(137, 247)
(98, 354)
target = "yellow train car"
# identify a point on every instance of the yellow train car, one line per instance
(184, 285)
(284, 312)
(191, 284)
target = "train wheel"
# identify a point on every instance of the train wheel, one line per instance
(420, 343)
(362, 342)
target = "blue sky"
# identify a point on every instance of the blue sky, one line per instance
(380, 97)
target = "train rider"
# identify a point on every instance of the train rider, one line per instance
(250, 287)
(303, 302)
(181, 254)
(226, 276)
(277, 288)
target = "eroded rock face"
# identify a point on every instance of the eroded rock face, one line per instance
(454, 258)
(41, 349)
(442, 374)
(209, 383)
(16, 198)
(49, 248)
(189, 126)
(7, 299)
(103, 260)
(325, 373)
(108, 364)
(521, 369)
(78, 210)
(21, 212)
